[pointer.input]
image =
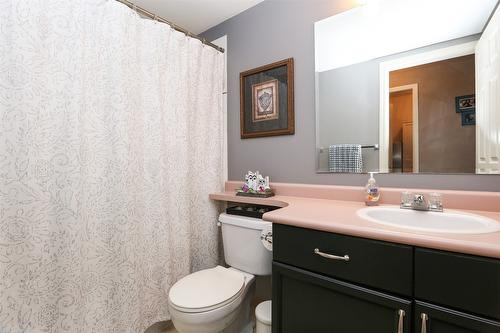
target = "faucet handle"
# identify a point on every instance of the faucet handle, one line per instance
(436, 202)
(406, 199)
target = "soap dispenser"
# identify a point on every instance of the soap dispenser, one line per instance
(372, 193)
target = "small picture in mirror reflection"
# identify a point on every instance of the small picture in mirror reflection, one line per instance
(265, 101)
(468, 118)
(465, 103)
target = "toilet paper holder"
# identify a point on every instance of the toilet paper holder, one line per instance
(268, 237)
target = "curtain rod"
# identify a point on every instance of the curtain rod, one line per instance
(153, 16)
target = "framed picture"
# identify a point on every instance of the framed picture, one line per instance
(465, 103)
(266, 100)
(468, 118)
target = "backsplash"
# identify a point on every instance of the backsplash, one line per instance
(483, 201)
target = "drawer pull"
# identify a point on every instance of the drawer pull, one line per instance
(424, 323)
(331, 256)
(401, 314)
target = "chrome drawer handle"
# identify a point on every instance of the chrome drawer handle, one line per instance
(401, 314)
(331, 256)
(424, 323)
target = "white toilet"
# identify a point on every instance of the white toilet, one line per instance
(218, 299)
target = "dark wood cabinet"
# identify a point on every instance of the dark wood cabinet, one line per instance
(369, 260)
(462, 282)
(431, 318)
(309, 302)
(437, 291)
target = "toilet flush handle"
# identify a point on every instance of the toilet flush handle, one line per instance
(268, 237)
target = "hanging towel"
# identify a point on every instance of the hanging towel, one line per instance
(345, 158)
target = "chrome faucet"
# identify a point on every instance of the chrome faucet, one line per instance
(418, 202)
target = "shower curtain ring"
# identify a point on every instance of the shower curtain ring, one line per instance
(172, 26)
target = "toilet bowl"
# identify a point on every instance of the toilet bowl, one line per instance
(211, 300)
(218, 299)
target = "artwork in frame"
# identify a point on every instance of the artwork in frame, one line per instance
(465, 103)
(468, 118)
(266, 100)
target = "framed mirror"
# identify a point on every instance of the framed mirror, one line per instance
(407, 86)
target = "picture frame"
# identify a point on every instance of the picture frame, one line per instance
(267, 100)
(465, 103)
(468, 118)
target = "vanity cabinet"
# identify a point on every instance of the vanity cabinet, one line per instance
(325, 282)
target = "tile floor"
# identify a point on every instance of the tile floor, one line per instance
(169, 329)
(162, 327)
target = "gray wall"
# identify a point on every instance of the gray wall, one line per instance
(275, 30)
(348, 104)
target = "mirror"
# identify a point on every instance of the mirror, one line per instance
(405, 86)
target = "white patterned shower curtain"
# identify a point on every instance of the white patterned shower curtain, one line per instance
(110, 141)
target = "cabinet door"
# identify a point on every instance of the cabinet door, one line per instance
(308, 302)
(435, 319)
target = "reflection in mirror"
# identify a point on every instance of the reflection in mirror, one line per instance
(426, 133)
(403, 99)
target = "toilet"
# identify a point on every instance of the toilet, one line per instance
(218, 299)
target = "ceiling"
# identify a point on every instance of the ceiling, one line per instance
(196, 16)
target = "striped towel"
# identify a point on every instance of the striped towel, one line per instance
(345, 158)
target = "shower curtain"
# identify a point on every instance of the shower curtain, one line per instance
(110, 142)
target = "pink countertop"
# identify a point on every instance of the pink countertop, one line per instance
(336, 212)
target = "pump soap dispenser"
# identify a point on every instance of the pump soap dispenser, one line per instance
(372, 193)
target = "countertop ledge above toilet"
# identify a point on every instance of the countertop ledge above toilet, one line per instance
(333, 209)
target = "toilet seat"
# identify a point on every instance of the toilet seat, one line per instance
(206, 290)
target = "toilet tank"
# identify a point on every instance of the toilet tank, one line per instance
(243, 248)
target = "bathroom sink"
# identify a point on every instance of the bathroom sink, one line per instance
(453, 222)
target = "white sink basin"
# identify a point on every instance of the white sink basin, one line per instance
(453, 222)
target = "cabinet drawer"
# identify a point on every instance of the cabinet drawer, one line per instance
(377, 264)
(459, 281)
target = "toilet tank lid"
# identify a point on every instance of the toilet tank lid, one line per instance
(243, 221)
